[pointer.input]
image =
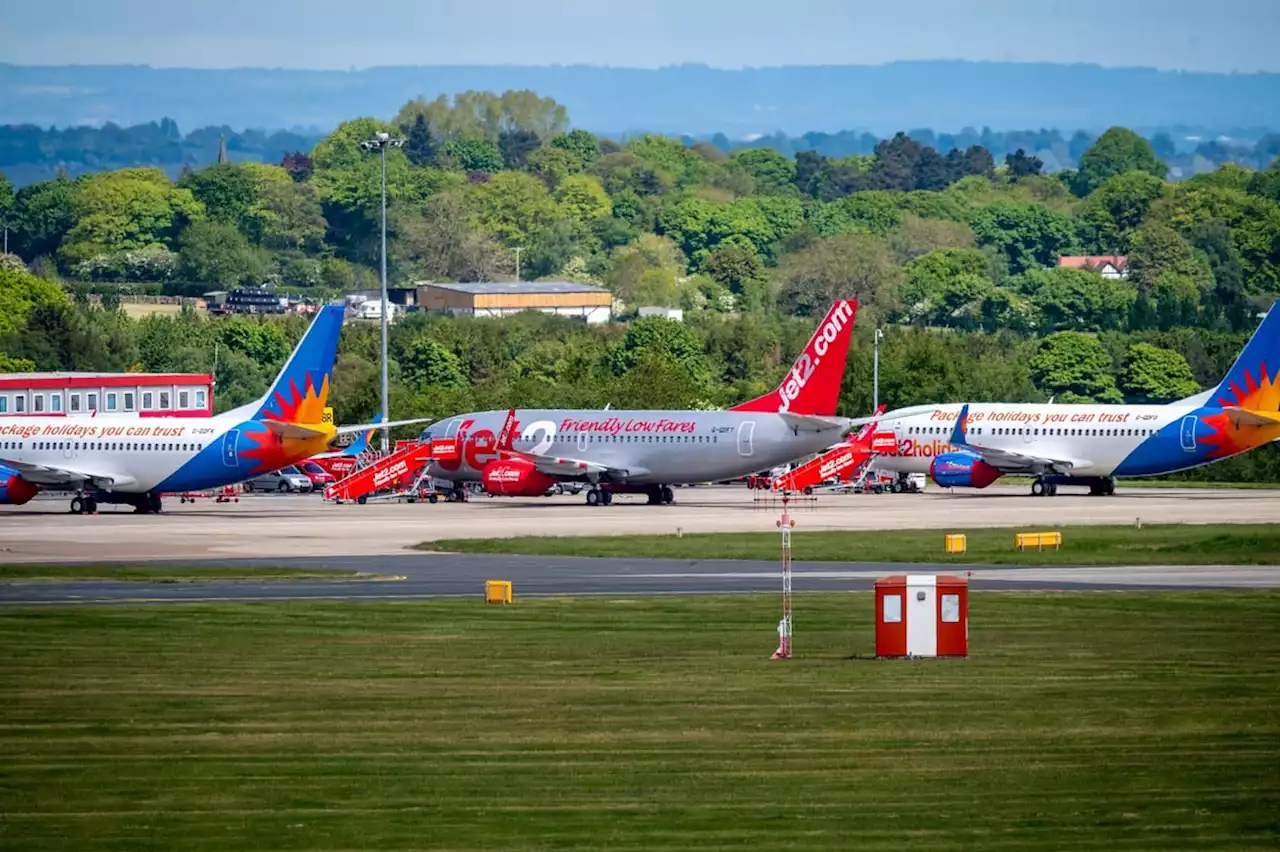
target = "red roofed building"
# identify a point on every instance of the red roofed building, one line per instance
(1113, 266)
(84, 394)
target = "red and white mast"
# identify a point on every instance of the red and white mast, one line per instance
(785, 523)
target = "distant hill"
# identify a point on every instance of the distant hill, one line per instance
(686, 99)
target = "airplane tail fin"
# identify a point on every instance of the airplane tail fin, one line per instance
(361, 443)
(813, 384)
(958, 438)
(506, 438)
(1253, 382)
(301, 391)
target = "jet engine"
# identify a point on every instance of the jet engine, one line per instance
(962, 470)
(515, 478)
(14, 490)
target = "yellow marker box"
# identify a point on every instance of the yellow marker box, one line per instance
(956, 543)
(1037, 540)
(497, 591)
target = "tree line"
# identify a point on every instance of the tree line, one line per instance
(955, 253)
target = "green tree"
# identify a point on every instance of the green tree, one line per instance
(583, 199)
(1020, 165)
(1029, 235)
(663, 338)
(1077, 299)
(440, 242)
(553, 164)
(657, 287)
(7, 199)
(1155, 375)
(127, 209)
(286, 216)
(850, 266)
(427, 363)
(927, 293)
(658, 382)
(1116, 208)
(1074, 367)
(670, 156)
(1117, 151)
(215, 253)
(43, 213)
(773, 173)
(21, 293)
(227, 191)
(1266, 183)
(734, 267)
(486, 115)
(580, 142)
(918, 236)
(516, 146)
(419, 146)
(515, 208)
(1158, 250)
(473, 155)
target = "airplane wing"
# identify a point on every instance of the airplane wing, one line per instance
(44, 474)
(1008, 460)
(364, 427)
(813, 422)
(1249, 417)
(557, 466)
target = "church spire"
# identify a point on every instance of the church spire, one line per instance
(222, 150)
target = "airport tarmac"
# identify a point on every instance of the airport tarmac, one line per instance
(267, 526)
(412, 576)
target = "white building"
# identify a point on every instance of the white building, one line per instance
(503, 298)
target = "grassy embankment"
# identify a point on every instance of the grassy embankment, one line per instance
(1167, 544)
(164, 573)
(1116, 721)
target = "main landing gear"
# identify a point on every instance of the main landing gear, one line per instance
(1099, 486)
(1041, 488)
(84, 504)
(661, 495)
(599, 497)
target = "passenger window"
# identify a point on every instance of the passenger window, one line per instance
(892, 609)
(950, 608)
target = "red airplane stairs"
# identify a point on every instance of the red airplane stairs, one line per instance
(390, 471)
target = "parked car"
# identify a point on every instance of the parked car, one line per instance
(318, 475)
(286, 479)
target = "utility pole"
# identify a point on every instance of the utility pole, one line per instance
(875, 370)
(380, 143)
(517, 263)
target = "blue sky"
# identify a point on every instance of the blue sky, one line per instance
(1208, 35)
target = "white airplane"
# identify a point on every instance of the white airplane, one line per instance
(133, 460)
(974, 444)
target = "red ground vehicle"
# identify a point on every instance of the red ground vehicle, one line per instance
(317, 474)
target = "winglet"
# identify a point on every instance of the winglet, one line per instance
(958, 438)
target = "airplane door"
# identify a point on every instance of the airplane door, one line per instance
(451, 430)
(746, 432)
(582, 442)
(230, 456)
(68, 451)
(1188, 433)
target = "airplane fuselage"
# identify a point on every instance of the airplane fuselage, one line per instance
(138, 455)
(651, 447)
(1104, 440)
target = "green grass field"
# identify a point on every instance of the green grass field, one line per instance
(1175, 544)
(162, 573)
(1087, 721)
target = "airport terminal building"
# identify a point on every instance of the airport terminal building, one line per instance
(503, 298)
(82, 394)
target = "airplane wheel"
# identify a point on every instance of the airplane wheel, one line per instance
(1053, 490)
(248, 488)
(362, 499)
(90, 506)
(77, 506)
(593, 497)
(668, 496)
(433, 499)
(606, 497)
(808, 489)
(1037, 488)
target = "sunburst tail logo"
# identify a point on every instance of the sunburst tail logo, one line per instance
(1252, 384)
(301, 391)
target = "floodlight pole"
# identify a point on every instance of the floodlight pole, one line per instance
(875, 370)
(380, 143)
